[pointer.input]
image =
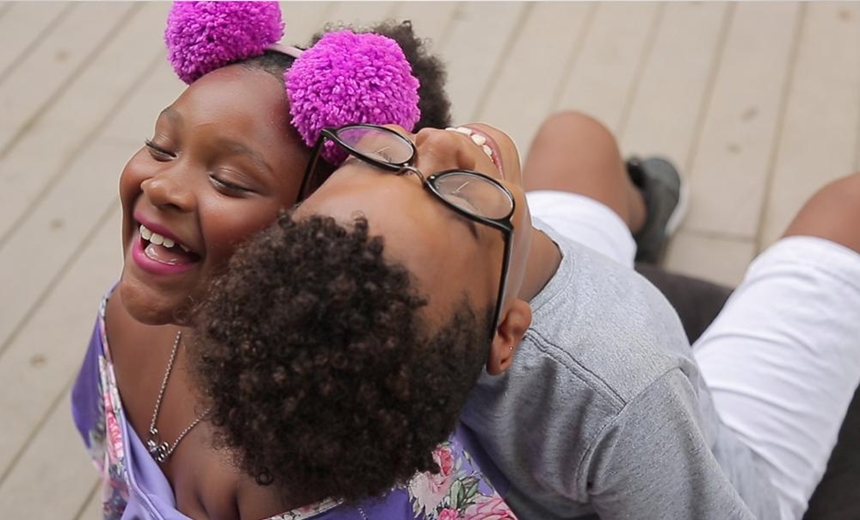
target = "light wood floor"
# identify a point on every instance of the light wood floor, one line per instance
(759, 103)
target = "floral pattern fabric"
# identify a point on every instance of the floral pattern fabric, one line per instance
(136, 488)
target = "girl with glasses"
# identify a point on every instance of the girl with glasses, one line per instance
(588, 397)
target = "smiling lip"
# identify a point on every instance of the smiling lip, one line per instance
(155, 228)
(153, 266)
(497, 154)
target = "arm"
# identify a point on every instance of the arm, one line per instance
(655, 460)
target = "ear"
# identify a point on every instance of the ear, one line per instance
(514, 323)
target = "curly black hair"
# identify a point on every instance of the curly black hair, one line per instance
(428, 69)
(322, 375)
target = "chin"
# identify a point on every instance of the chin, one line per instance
(145, 305)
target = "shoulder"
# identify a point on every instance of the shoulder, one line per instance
(606, 326)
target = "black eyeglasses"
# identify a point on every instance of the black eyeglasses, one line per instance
(472, 194)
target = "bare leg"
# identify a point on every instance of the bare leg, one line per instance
(782, 358)
(832, 213)
(575, 153)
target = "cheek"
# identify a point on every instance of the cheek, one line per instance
(228, 225)
(467, 270)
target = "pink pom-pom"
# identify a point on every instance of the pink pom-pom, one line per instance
(349, 78)
(203, 36)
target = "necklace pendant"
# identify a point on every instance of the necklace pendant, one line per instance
(157, 450)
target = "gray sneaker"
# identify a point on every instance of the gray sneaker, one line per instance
(666, 197)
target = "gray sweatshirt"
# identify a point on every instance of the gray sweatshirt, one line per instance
(604, 410)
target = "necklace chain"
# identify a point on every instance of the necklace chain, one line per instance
(158, 449)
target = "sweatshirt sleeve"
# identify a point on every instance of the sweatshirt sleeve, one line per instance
(654, 461)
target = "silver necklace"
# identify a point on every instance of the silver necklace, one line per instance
(158, 449)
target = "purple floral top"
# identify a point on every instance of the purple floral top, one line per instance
(133, 485)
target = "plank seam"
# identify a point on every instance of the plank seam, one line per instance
(500, 60)
(39, 425)
(52, 99)
(573, 59)
(779, 130)
(76, 153)
(708, 94)
(90, 496)
(636, 80)
(22, 56)
(61, 272)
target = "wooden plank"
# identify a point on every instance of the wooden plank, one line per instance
(732, 161)
(524, 91)
(360, 14)
(93, 509)
(602, 79)
(46, 353)
(54, 477)
(136, 120)
(672, 94)
(720, 260)
(23, 24)
(75, 203)
(303, 20)
(820, 131)
(431, 20)
(76, 115)
(55, 62)
(72, 209)
(476, 46)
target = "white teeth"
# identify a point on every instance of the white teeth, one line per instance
(479, 139)
(160, 240)
(156, 239)
(487, 150)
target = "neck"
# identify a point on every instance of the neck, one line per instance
(543, 261)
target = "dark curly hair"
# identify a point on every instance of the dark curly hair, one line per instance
(429, 70)
(322, 375)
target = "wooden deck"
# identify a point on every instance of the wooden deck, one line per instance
(759, 103)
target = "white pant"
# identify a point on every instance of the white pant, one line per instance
(782, 360)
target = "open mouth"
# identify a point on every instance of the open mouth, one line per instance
(485, 142)
(165, 250)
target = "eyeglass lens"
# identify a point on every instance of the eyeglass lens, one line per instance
(474, 194)
(378, 144)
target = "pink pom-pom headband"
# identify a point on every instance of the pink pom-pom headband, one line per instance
(345, 78)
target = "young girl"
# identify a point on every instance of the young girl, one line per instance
(224, 159)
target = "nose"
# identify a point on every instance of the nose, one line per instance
(444, 150)
(167, 190)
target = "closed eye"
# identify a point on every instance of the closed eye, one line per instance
(158, 153)
(229, 188)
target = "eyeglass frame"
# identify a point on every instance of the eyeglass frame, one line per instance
(504, 224)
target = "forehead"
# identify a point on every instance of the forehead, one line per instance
(418, 231)
(238, 101)
(416, 226)
(237, 107)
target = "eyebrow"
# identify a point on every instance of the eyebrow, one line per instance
(233, 147)
(172, 115)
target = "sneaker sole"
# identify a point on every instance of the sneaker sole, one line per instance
(680, 212)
